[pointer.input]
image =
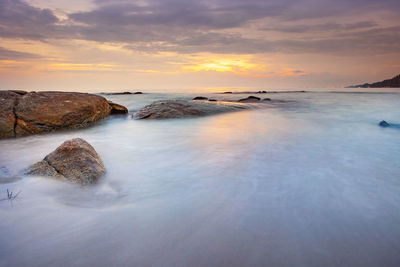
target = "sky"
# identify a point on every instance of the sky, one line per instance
(185, 45)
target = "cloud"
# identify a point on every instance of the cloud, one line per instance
(219, 26)
(6, 54)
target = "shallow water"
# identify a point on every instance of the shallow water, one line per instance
(313, 183)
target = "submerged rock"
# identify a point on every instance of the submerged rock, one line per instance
(200, 98)
(167, 109)
(250, 99)
(266, 99)
(75, 160)
(30, 113)
(384, 124)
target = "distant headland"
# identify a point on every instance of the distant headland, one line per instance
(390, 83)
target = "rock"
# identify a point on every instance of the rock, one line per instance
(121, 93)
(167, 109)
(30, 113)
(250, 99)
(261, 92)
(212, 100)
(227, 93)
(200, 98)
(384, 124)
(137, 93)
(20, 92)
(266, 99)
(8, 100)
(75, 160)
(48, 111)
(117, 109)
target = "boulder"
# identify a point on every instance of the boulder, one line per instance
(75, 160)
(8, 101)
(250, 99)
(117, 109)
(168, 109)
(200, 98)
(48, 111)
(30, 113)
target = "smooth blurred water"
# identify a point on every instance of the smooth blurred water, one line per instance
(313, 183)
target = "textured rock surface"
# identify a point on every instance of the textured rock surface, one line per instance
(117, 109)
(75, 160)
(23, 113)
(167, 109)
(8, 101)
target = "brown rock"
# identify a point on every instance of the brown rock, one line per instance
(75, 160)
(47, 111)
(8, 101)
(117, 109)
(23, 113)
(168, 109)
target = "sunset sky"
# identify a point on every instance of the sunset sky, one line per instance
(180, 45)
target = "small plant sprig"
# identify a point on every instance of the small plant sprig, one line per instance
(10, 195)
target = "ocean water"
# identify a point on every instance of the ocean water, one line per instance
(312, 183)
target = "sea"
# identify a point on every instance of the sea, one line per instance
(313, 182)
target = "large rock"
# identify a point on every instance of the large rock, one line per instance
(23, 113)
(8, 101)
(75, 160)
(167, 109)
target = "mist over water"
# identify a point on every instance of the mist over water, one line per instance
(313, 183)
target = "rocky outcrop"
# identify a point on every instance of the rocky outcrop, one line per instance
(390, 83)
(167, 109)
(75, 160)
(250, 99)
(117, 109)
(23, 113)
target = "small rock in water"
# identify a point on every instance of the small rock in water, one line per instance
(117, 109)
(384, 124)
(212, 100)
(266, 99)
(200, 98)
(137, 93)
(250, 99)
(75, 160)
